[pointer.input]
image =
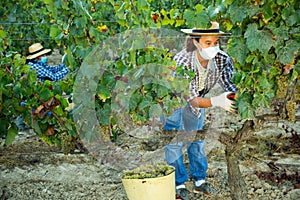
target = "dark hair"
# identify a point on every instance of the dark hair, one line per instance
(189, 44)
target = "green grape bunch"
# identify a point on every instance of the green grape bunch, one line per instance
(148, 171)
(291, 110)
(282, 83)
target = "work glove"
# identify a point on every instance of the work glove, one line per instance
(225, 101)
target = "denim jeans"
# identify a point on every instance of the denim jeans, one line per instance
(186, 120)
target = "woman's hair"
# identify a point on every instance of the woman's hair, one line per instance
(189, 44)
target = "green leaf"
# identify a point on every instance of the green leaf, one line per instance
(244, 106)
(269, 58)
(103, 92)
(155, 111)
(3, 34)
(103, 115)
(285, 54)
(294, 75)
(290, 16)
(266, 42)
(237, 49)
(3, 127)
(201, 19)
(268, 10)
(179, 22)
(275, 71)
(249, 81)
(108, 80)
(11, 135)
(134, 101)
(138, 44)
(264, 83)
(228, 2)
(281, 32)
(142, 4)
(189, 16)
(58, 110)
(45, 94)
(144, 104)
(252, 37)
(293, 19)
(199, 7)
(162, 91)
(260, 100)
(252, 10)
(238, 78)
(237, 12)
(281, 2)
(63, 101)
(55, 31)
(212, 11)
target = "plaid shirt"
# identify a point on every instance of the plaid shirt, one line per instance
(221, 72)
(46, 72)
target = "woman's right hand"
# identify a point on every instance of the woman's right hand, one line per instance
(224, 101)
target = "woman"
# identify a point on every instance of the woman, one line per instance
(210, 65)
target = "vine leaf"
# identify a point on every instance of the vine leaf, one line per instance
(199, 19)
(238, 50)
(237, 13)
(103, 114)
(11, 134)
(257, 39)
(103, 92)
(55, 31)
(266, 41)
(244, 106)
(155, 111)
(251, 35)
(285, 54)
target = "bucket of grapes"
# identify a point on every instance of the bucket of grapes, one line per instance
(149, 182)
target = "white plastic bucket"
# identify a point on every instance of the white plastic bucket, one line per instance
(161, 188)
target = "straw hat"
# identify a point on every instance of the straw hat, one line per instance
(214, 30)
(36, 50)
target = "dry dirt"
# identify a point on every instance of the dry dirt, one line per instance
(30, 169)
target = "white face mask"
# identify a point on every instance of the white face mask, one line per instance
(209, 53)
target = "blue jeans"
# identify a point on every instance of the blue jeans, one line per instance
(184, 119)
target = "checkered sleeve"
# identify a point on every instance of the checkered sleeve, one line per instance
(226, 76)
(184, 58)
(45, 71)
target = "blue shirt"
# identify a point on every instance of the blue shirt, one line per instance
(46, 72)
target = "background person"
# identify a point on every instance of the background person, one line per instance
(37, 60)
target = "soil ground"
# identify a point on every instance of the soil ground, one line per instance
(31, 169)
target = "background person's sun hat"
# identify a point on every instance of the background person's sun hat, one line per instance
(214, 30)
(36, 50)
